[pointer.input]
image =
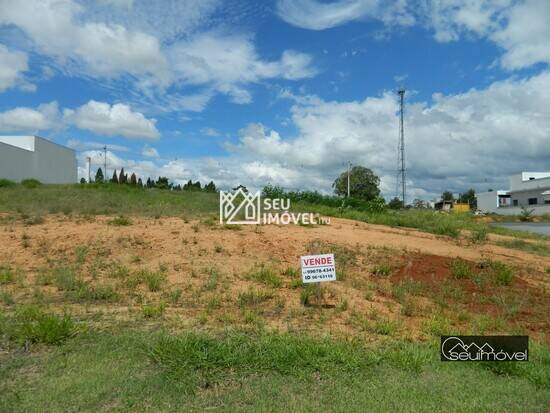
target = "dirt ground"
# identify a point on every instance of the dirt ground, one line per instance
(362, 301)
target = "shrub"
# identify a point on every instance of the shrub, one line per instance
(503, 273)
(32, 324)
(65, 279)
(31, 183)
(98, 292)
(479, 235)
(382, 270)
(152, 279)
(4, 183)
(153, 310)
(460, 269)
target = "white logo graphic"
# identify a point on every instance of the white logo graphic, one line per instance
(454, 349)
(230, 207)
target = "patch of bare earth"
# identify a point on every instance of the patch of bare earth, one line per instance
(390, 280)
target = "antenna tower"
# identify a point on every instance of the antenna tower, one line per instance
(401, 182)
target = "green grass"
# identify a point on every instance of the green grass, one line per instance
(538, 248)
(120, 221)
(108, 199)
(253, 297)
(7, 275)
(141, 371)
(460, 268)
(265, 276)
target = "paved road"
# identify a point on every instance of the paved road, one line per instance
(538, 227)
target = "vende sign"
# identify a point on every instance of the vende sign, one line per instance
(318, 268)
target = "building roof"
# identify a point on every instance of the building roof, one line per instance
(21, 142)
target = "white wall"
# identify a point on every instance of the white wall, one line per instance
(48, 162)
(487, 201)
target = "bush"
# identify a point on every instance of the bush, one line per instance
(153, 310)
(252, 297)
(460, 269)
(152, 279)
(120, 221)
(5, 183)
(31, 183)
(32, 324)
(265, 276)
(503, 273)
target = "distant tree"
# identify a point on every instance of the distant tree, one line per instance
(244, 188)
(122, 178)
(197, 186)
(188, 185)
(447, 196)
(163, 183)
(177, 187)
(150, 183)
(419, 204)
(395, 203)
(82, 181)
(363, 184)
(133, 179)
(140, 183)
(99, 176)
(114, 179)
(210, 187)
(468, 197)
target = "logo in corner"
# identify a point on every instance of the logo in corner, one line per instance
(484, 348)
(239, 207)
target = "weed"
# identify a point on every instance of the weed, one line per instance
(504, 274)
(234, 227)
(538, 248)
(7, 275)
(218, 249)
(382, 270)
(265, 276)
(119, 271)
(153, 310)
(33, 325)
(437, 325)
(6, 298)
(195, 228)
(5, 183)
(152, 279)
(312, 294)
(211, 282)
(31, 183)
(120, 221)
(479, 235)
(98, 292)
(460, 269)
(253, 297)
(175, 296)
(81, 253)
(34, 220)
(65, 279)
(290, 272)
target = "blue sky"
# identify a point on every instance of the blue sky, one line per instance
(284, 92)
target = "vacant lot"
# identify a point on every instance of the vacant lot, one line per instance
(171, 311)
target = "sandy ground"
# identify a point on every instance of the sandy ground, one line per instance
(187, 249)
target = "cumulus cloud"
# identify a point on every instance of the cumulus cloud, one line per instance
(112, 120)
(14, 63)
(229, 62)
(23, 119)
(210, 132)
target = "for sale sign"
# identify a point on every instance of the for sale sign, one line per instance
(318, 268)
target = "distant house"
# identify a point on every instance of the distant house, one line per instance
(453, 206)
(529, 190)
(23, 157)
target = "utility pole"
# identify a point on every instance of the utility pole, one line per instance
(401, 149)
(106, 176)
(349, 171)
(89, 164)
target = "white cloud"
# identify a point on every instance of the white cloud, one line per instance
(229, 62)
(30, 120)
(315, 15)
(150, 152)
(13, 64)
(207, 131)
(104, 50)
(112, 120)
(456, 142)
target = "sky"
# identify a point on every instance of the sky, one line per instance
(284, 92)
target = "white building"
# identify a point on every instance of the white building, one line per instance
(529, 190)
(23, 157)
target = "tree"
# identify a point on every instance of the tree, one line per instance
(149, 183)
(82, 181)
(363, 184)
(133, 180)
(468, 197)
(114, 179)
(419, 203)
(162, 183)
(395, 203)
(122, 178)
(210, 187)
(447, 196)
(99, 176)
(140, 183)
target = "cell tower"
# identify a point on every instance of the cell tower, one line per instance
(401, 182)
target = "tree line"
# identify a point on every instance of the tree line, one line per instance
(162, 182)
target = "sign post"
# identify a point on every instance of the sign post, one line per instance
(318, 268)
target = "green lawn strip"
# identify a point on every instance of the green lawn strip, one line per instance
(194, 371)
